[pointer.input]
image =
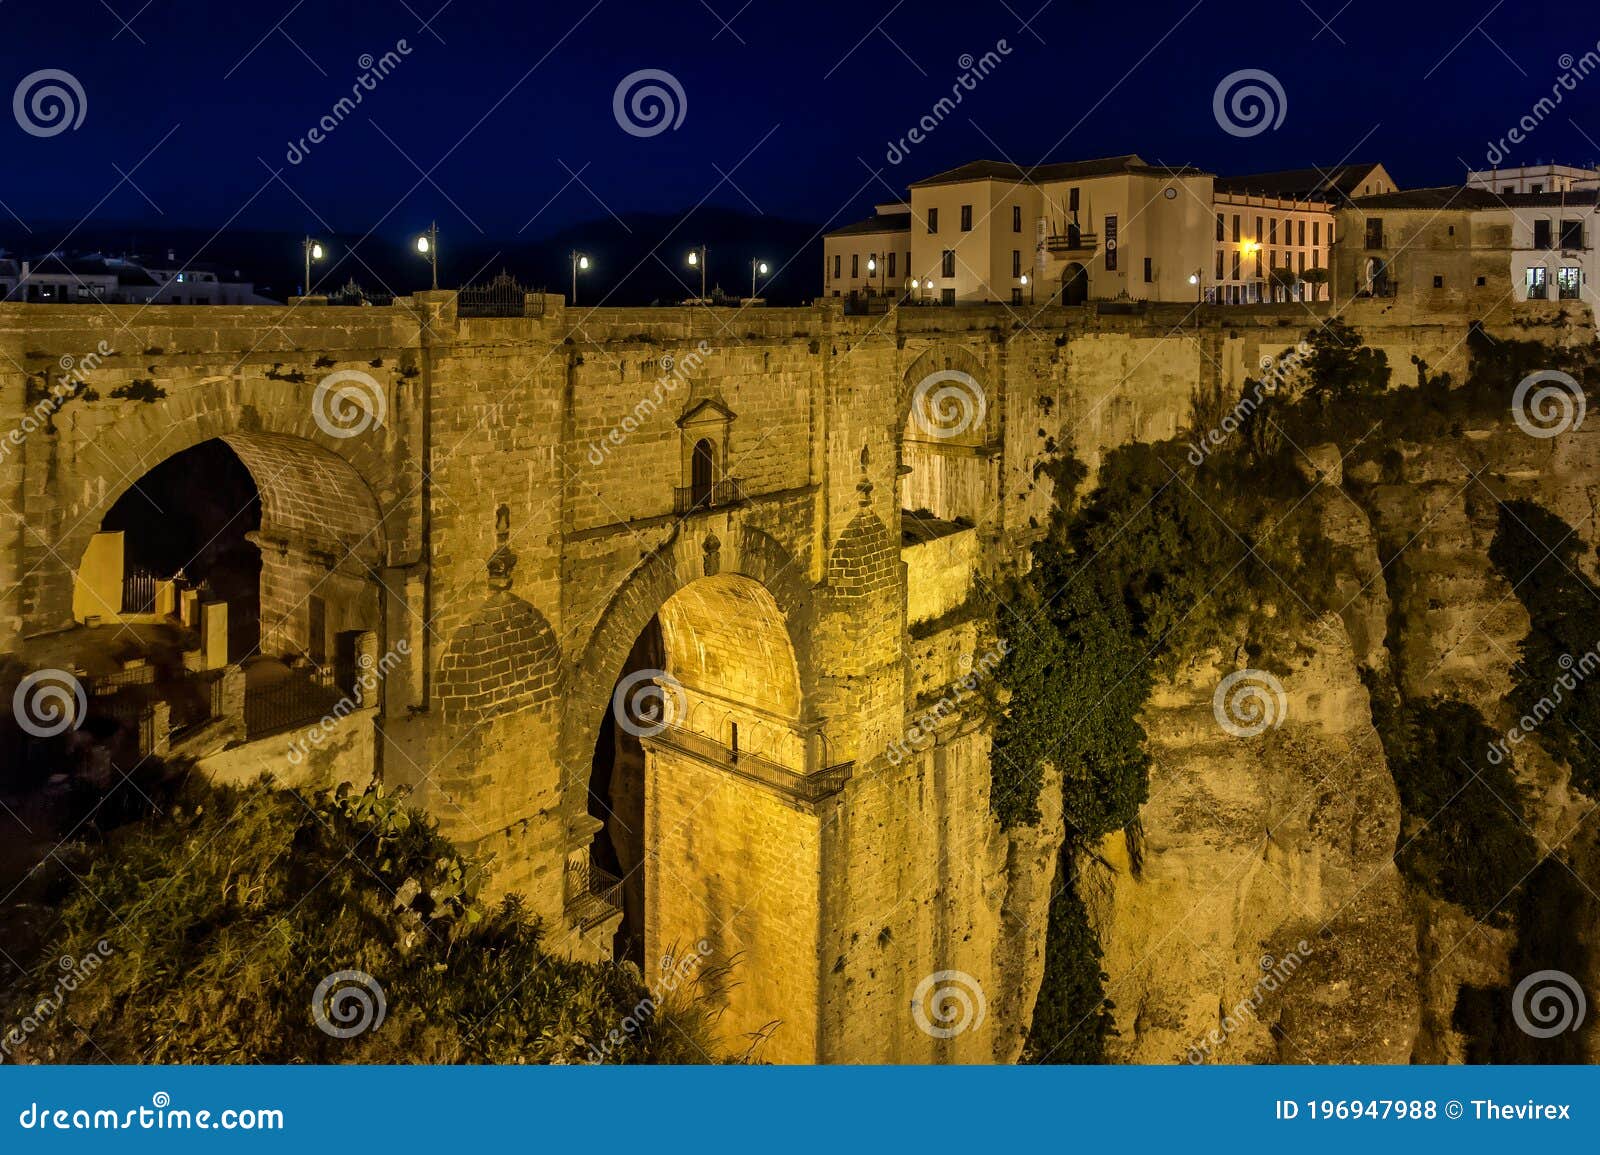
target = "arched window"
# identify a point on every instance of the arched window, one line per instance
(702, 473)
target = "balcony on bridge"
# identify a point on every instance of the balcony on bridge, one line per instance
(688, 499)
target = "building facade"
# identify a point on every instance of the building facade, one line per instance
(1113, 229)
(1468, 247)
(1535, 178)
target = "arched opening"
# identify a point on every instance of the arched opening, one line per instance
(250, 549)
(702, 733)
(702, 473)
(1074, 284)
(194, 517)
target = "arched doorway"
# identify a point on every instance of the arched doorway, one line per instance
(1074, 284)
(282, 532)
(195, 516)
(703, 733)
(702, 473)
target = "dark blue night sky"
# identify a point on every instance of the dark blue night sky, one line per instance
(499, 122)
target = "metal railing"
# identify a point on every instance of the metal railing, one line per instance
(809, 787)
(302, 697)
(1072, 242)
(501, 297)
(138, 592)
(586, 880)
(197, 701)
(106, 684)
(692, 498)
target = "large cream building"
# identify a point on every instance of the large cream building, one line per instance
(1106, 230)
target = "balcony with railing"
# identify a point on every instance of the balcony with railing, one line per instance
(806, 786)
(1072, 241)
(700, 498)
(592, 895)
(1375, 239)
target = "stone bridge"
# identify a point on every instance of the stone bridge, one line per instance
(691, 598)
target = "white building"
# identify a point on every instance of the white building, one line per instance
(1535, 178)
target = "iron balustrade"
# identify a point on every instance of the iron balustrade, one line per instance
(809, 787)
(302, 697)
(587, 882)
(692, 498)
(501, 297)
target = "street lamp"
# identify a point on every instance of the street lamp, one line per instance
(1027, 283)
(756, 266)
(580, 262)
(1199, 293)
(313, 252)
(697, 259)
(428, 247)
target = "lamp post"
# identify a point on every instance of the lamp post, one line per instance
(580, 262)
(756, 266)
(313, 252)
(916, 289)
(1027, 283)
(428, 247)
(1199, 290)
(697, 259)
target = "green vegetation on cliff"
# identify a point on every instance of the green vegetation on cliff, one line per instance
(235, 903)
(1557, 688)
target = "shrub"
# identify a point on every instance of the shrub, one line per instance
(233, 906)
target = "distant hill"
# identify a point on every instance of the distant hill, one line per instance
(637, 260)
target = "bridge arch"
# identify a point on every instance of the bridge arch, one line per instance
(950, 414)
(315, 488)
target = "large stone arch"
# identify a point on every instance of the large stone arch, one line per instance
(697, 551)
(945, 357)
(949, 413)
(325, 490)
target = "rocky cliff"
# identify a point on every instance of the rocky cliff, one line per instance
(1262, 916)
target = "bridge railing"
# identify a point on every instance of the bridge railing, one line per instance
(689, 498)
(809, 787)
